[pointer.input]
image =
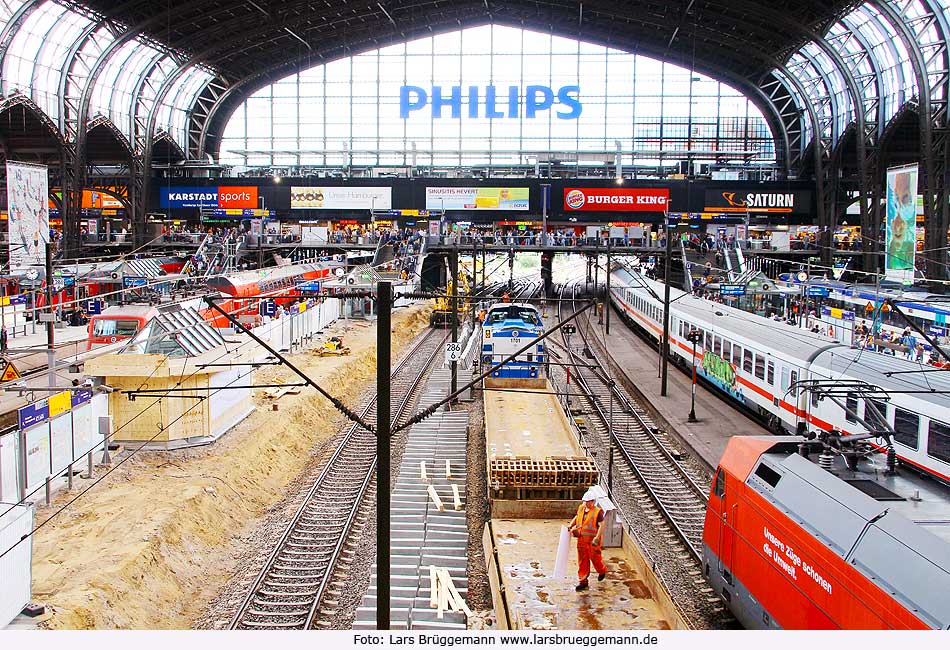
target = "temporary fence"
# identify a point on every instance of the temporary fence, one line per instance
(54, 434)
(16, 521)
(298, 326)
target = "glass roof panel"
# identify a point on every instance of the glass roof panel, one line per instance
(352, 107)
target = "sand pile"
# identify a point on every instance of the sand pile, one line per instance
(151, 545)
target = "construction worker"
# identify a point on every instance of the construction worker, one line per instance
(588, 527)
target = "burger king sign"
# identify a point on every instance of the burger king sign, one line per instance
(613, 199)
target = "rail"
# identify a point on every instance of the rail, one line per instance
(298, 571)
(679, 499)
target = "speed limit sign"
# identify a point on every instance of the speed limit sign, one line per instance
(453, 352)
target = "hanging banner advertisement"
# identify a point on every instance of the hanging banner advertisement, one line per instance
(615, 199)
(341, 198)
(899, 245)
(791, 202)
(477, 198)
(27, 201)
(225, 196)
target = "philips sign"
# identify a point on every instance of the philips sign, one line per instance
(491, 102)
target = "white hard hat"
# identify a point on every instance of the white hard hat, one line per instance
(593, 493)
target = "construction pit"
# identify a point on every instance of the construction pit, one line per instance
(158, 537)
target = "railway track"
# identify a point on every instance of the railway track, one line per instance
(295, 589)
(679, 496)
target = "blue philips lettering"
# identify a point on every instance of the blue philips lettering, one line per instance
(564, 97)
(407, 104)
(473, 101)
(514, 101)
(532, 102)
(454, 101)
(491, 111)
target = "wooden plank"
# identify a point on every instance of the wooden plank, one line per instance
(433, 582)
(435, 498)
(448, 469)
(422, 471)
(462, 605)
(455, 495)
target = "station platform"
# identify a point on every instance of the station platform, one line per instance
(627, 599)
(718, 419)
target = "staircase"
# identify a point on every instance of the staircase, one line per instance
(422, 536)
(735, 263)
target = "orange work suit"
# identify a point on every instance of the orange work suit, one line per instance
(587, 552)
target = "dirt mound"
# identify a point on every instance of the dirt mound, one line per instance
(153, 543)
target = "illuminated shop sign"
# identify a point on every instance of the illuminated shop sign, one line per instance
(771, 202)
(491, 102)
(235, 197)
(615, 199)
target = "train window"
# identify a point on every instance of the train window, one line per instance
(760, 366)
(719, 489)
(709, 340)
(747, 361)
(875, 411)
(726, 350)
(737, 355)
(851, 407)
(770, 374)
(717, 346)
(768, 474)
(784, 380)
(106, 327)
(907, 427)
(938, 441)
(794, 379)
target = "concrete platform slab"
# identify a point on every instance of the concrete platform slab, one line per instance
(536, 600)
(527, 423)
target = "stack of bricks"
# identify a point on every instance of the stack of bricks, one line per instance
(548, 473)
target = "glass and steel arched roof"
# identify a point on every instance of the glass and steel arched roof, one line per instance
(55, 52)
(185, 67)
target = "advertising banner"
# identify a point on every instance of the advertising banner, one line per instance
(189, 197)
(27, 201)
(901, 216)
(777, 202)
(237, 196)
(615, 199)
(225, 196)
(477, 198)
(341, 198)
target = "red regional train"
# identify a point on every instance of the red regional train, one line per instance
(789, 543)
(241, 290)
(245, 287)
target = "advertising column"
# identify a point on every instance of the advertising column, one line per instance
(27, 206)
(901, 216)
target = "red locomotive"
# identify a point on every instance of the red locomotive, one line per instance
(842, 543)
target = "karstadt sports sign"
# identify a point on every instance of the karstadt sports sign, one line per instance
(615, 199)
(230, 196)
